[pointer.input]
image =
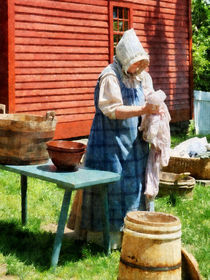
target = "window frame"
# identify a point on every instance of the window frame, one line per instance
(113, 4)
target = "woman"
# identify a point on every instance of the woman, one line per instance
(115, 144)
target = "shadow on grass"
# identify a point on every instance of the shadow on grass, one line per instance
(36, 247)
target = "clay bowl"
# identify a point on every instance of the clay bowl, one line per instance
(66, 155)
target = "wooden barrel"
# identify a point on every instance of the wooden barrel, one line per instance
(23, 137)
(182, 186)
(151, 247)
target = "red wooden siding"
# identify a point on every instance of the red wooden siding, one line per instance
(163, 27)
(54, 50)
(60, 48)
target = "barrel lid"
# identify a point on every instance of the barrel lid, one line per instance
(152, 218)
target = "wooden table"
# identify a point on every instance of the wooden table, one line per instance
(69, 181)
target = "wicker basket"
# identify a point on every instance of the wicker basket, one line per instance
(199, 168)
(23, 137)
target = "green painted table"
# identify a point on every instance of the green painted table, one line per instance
(69, 181)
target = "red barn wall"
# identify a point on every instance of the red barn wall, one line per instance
(58, 48)
(163, 27)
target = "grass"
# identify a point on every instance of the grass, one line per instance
(27, 250)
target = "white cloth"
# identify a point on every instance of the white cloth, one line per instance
(110, 94)
(191, 147)
(156, 130)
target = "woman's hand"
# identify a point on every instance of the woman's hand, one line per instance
(150, 109)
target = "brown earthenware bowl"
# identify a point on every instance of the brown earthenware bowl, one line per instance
(66, 155)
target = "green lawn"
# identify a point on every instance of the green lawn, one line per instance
(27, 250)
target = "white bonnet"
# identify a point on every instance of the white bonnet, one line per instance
(129, 50)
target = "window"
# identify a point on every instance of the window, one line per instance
(120, 21)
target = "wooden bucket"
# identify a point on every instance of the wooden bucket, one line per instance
(151, 247)
(23, 137)
(172, 183)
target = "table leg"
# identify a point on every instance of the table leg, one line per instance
(105, 219)
(24, 199)
(60, 228)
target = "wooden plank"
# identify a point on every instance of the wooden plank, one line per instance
(59, 28)
(62, 112)
(173, 91)
(59, 13)
(169, 63)
(154, 3)
(164, 51)
(65, 117)
(77, 7)
(165, 68)
(32, 48)
(57, 91)
(75, 111)
(59, 35)
(69, 106)
(166, 6)
(58, 70)
(65, 84)
(53, 98)
(60, 20)
(160, 18)
(91, 62)
(59, 57)
(56, 77)
(149, 27)
(77, 117)
(157, 34)
(73, 77)
(96, 70)
(170, 41)
(76, 97)
(180, 115)
(171, 80)
(173, 97)
(90, 43)
(88, 2)
(72, 129)
(183, 101)
(160, 59)
(87, 90)
(164, 59)
(179, 91)
(60, 42)
(54, 85)
(178, 107)
(60, 49)
(157, 45)
(170, 86)
(172, 74)
(154, 10)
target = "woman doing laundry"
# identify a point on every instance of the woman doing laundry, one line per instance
(115, 142)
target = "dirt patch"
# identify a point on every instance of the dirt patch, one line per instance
(3, 269)
(53, 228)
